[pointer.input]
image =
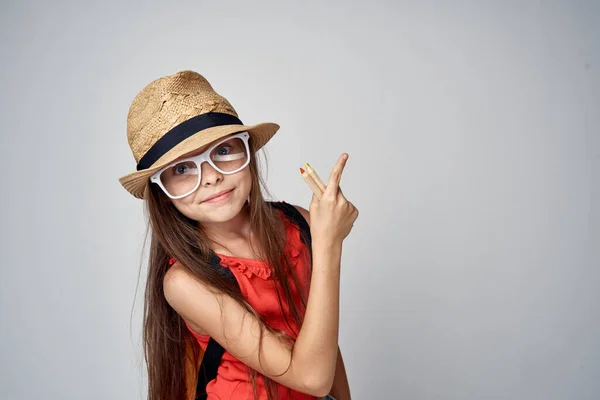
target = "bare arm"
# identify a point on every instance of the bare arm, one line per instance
(340, 388)
(326, 322)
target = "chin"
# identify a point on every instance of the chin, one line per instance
(223, 212)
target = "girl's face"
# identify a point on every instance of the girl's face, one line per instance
(199, 207)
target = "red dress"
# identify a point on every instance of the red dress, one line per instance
(258, 288)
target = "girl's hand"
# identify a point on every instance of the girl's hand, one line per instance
(333, 216)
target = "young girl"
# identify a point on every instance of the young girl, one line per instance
(228, 269)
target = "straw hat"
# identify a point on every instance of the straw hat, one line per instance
(177, 114)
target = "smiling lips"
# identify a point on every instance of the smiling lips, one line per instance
(218, 196)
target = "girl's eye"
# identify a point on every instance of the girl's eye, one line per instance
(180, 169)
(223, 150)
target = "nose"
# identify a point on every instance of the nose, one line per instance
(209, 175)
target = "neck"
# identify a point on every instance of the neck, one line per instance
(235, 229)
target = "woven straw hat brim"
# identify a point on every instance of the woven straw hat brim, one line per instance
(137, 182)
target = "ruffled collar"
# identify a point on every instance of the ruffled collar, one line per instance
(261, 268)
(247, 266)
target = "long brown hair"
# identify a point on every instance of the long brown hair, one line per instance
(165, 336)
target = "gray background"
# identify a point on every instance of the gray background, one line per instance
(473, 134)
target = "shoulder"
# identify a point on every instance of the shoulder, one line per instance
(180, 285)
(175, 278)
(305, 213)
(194, 300)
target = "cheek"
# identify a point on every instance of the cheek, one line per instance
(244, 182)
(184, 208)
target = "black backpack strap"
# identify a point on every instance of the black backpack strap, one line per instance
(296, 217)
(215, 263)
(209, 367)
(214, 351)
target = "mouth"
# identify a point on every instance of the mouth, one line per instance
(218, 196)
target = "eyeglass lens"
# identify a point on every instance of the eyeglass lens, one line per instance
(181, 178)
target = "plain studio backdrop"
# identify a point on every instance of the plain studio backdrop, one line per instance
(473, 271)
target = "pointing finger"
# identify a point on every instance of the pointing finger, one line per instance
(336, 176)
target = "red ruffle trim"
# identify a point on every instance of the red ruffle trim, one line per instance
(260, 268)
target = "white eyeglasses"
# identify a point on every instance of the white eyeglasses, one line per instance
(183, 177)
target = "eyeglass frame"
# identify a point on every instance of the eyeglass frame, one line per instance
(201, 158)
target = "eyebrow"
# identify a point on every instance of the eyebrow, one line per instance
(196, 152)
